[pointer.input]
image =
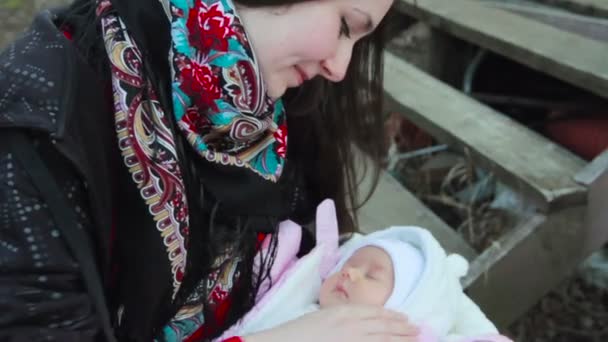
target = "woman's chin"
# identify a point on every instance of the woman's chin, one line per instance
(275, 92)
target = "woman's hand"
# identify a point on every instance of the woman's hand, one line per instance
(353, 323)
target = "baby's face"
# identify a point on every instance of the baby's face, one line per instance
(366, 278)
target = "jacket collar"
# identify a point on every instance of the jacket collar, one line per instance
(34, 73)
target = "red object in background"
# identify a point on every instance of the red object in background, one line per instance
(404, 134)
(585, 135)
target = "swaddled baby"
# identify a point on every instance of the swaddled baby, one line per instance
(401, 268)
(367, 275)
(404, 269)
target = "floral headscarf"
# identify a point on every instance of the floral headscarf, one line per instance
(219, 97)
(219, 104)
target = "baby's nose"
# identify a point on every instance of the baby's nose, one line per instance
(351, 273)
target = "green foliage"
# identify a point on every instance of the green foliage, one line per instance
(11, 4)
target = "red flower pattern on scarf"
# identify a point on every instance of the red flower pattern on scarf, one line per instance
(209, 27)
(202, 84)
(281, 137)
(195, 121)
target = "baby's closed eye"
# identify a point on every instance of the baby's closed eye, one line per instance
(375, 275)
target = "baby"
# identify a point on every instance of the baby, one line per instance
(401, 268)
(368, 276)
(405, 269)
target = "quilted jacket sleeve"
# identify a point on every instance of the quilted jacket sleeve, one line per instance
(42, 296)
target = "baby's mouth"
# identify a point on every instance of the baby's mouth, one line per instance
(340, 289)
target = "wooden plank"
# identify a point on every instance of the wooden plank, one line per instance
(566, 56)
(536, 265)
(593, 170)
(591, 7)
(598, 4)
(597, 215)
(501, 248)
(590, 27)
(520, 157)
(393, 205)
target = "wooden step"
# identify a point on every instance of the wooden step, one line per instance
(586, 26)
(393, 205)
(527, 262)
(592, 7)
(564, 55)
(520, 157)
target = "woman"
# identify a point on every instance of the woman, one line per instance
(144, 154)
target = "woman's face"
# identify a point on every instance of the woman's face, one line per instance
(295, 43)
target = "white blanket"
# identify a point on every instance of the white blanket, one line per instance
(437, 302)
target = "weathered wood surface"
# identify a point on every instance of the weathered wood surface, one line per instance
(502, 247)
(549, 253)
(393, 205)
(590, 7)
(593, 170)
(590, 27)
(599, 4)
(597, 214)
(520, 157)
(566, 56)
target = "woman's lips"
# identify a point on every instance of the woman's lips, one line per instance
(303, 76)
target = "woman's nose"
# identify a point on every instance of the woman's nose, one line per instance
(334, 68)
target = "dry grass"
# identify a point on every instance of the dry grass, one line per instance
(473, 217)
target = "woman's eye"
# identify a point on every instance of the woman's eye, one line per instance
(344, 28)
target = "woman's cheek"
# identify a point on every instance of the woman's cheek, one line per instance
(319, 46)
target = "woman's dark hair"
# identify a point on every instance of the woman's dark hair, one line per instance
(327, 122)
(333, 118)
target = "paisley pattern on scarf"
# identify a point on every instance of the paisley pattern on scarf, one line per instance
(146, 141)
(190, 318)
(219, 102)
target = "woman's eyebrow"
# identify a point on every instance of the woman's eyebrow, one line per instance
(369, 24)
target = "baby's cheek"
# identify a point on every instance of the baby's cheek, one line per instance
(325, 292)
(386, 293)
